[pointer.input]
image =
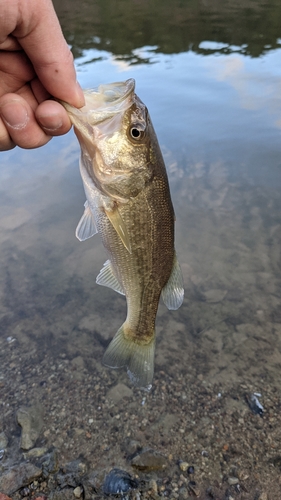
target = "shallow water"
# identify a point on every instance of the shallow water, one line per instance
(210, 76)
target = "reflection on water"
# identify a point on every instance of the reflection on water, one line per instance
(217, 113)
(251, 27)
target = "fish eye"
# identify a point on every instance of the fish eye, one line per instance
(136, 132)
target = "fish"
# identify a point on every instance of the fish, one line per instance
(128, 203)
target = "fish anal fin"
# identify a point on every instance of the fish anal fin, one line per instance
(86, 226)
(137, 358)
(173, 292)
(119, 226)
(106, 277)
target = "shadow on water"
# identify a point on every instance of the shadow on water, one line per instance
(218, 120)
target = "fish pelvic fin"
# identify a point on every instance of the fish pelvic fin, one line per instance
(137, 358)
(173, 292)
(106, 277)
(86, 227)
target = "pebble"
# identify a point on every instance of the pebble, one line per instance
(193, 488)
(50, 463)
(4, 497)
(243, 476)
(263, 496)
(153, 485)
(183, 466)
(233, 480)
(149, 460)
(35, 452)
(31, 421)
(78, 492)
(25, 491)
(119, 392)
(18, 476)
(3, 441)
(254, 404)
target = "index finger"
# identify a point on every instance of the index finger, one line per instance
(40, 35)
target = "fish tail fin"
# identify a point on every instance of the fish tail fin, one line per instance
(137, 358)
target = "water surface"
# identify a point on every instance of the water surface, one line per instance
(210, 75)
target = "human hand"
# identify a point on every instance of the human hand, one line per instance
(35, 64)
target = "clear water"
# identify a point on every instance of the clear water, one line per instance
(210, 75)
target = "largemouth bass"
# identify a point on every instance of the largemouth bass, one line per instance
(129, 205)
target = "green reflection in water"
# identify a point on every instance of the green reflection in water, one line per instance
(250, 27)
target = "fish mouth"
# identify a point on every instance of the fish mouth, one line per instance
(115, 92)
(102, 103)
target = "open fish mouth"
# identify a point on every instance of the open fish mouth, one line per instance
(103, 102)
(114, 92)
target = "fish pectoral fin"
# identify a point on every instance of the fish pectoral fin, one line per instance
(106, 277)
(119, 226)
(137, 358)
(86, 226)
(173, 292)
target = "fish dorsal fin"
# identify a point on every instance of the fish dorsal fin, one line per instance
(173, 292)
(106, 277)
(119, 226)
(86, 226)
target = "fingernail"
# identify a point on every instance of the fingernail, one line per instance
(80, 95)
(50, 123)
(14, 115)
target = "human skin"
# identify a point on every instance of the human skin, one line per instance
(35, 65)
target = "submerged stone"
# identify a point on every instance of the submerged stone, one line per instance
(50, 463)
(31, 421)
(3, 441)
(35, 452)
(18, 476)
(149, 460)
(119, 392)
